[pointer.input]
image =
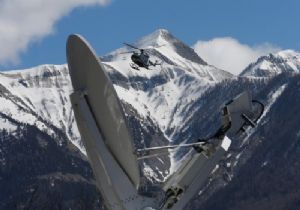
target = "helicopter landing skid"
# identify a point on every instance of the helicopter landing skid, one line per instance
(134, 66)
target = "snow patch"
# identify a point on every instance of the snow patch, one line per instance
(264, 163)
(272, 98)
(226, 143)
(148, 172)
(5, 124)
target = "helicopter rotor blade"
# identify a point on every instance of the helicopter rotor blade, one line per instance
(129, 45)
(127, 52)
(159, 46)
(153, 47)
(143, 49)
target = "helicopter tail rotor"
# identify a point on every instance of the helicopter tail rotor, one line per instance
(156, 63)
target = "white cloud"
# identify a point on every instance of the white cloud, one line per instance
(229, 54)
(26, 21)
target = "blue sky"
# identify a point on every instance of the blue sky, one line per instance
(107, 24)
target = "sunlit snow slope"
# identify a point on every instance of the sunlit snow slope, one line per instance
(39, 96)
(274, 64)
(164, 92)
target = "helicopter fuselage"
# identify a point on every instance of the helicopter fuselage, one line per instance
(141, 59)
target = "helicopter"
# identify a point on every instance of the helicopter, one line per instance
(141, 58)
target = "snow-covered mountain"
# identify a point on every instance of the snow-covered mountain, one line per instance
(175, 102)
(274, 63)
(39, 96)
(164, 92)
(260, 169)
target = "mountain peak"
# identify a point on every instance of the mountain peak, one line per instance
(169, 46)
(287, 54)
(274, 63)
(164, 37)
(162, 32)
(158, 37)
